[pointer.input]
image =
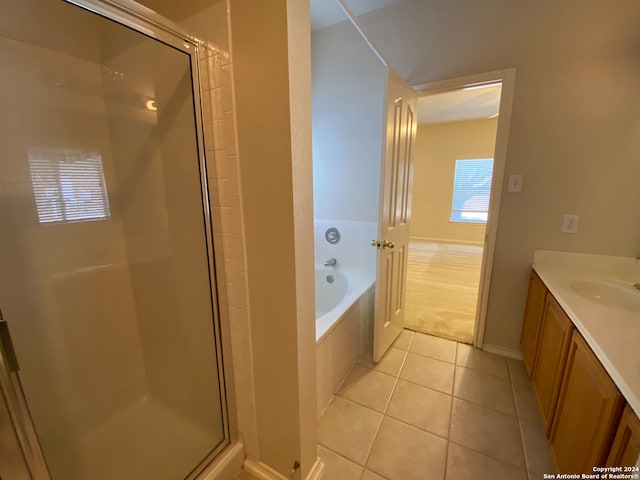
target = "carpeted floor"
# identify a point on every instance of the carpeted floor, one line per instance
(442, 289)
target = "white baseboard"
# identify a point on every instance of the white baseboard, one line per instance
(317, 471)
(261, 470)
(447, 240)
(227, 466)
(265, 472)
(505, 352)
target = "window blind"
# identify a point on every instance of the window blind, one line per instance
(471, 190)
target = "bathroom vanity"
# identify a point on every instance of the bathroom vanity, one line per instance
(580, 341)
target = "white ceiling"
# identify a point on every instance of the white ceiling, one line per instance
(459, 105)
(328, 12)
(454, 106)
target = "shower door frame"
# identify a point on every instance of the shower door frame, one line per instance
(147, 22)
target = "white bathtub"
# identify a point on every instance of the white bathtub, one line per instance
(337, 289)
(344, 325)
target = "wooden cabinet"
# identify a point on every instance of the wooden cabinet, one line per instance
(553, 344)
(625, 450)
(587, 414)
(580, 405)
(532, 321)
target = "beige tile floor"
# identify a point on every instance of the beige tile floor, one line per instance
(434, 409)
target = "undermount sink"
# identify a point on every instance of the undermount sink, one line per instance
(610, 294)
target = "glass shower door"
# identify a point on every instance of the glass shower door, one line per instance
(106, 279)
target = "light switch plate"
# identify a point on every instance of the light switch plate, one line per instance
(570, 223)
(515, 183)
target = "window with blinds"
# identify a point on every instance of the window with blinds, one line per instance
(471, 190)
(68, 185)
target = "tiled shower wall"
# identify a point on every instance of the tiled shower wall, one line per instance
(224, 191)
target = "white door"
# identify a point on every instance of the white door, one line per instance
(394, 213)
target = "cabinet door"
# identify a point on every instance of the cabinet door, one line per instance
(555, 333)
(589, 407)
(532, 321)
(625, 450)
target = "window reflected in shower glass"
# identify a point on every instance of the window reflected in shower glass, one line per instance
(68, 185)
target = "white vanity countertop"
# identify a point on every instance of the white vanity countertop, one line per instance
(612, 333)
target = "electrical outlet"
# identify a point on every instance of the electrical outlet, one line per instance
(515, 183)
(570, 224)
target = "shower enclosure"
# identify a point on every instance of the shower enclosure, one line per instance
(110, 362)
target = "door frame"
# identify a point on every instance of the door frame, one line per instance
(507, 78)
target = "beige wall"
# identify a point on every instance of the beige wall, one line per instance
(299, 39)
(348, 85)
(438, 147)
(575, 130)
(273, 99)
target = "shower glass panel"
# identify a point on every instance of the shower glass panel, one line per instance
(105, 249)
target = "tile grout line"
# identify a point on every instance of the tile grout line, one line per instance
(430, 356)
(453, 388)
(384, 414)
(493, 409)
(447, 439)
(397, 379)
(518, 419)
(455, 358)
(491, 457)
(335, 452)
(364, 468)
(451, 394)
(399, 420)
(404, 380)
(334, 394)
(485, 372)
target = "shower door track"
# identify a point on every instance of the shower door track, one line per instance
(149, 23)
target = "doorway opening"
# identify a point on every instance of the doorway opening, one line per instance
(457, 180)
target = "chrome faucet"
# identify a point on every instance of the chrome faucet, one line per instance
(331, 262)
